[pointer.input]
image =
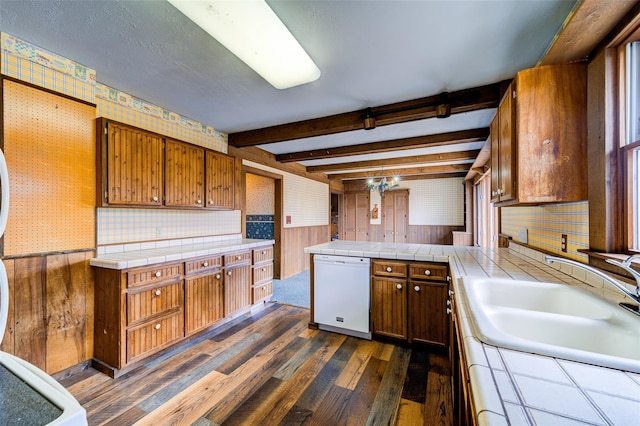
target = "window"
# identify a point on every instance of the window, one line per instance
(630, 145)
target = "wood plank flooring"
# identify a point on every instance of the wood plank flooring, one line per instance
(268, 369)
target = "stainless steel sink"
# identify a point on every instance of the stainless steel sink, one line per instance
(552, 319)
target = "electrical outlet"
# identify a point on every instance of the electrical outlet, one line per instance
(563, 243)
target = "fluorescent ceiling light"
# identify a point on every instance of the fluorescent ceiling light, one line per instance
(255, 34)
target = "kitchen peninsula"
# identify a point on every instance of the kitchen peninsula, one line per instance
(506, 386)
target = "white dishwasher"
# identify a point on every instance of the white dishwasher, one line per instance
(341, 294)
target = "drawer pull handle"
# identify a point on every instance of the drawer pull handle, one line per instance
(416, 288)
(210, 202)
(198, 201)
(264, 252)
(218, 276)
(264, 269)
(427, 272)
(238, 257)
(155, 199)
(399, 286)
(389, 269)
(229, 273)
(205, 264)
(158, 274)
(158, 292)
(157, 327)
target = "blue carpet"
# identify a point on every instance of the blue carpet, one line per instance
(293, 290)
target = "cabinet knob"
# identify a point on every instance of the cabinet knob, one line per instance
(205, 264)
(450, 292)
(264, 269)
(157, 327)
(389, 269)
(399, 286)
(155, 199)
(264, 252)
(229, 273)
(158, 274)
(427, 272)
(210, 202)
(448, 311)
(158, 292)
(417, 288)
(198, 201)
(448, 302)
(239, 257)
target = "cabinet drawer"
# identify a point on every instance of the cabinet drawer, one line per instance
(389, 268)
(262, 273)
(153, 274)
(428, 271)
(155, 301)
(237, 258)
(264, 254)
(153, 336)
(210, 263)
(262, 291)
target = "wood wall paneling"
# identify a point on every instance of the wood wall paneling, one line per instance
(50, 310)
(294, 240)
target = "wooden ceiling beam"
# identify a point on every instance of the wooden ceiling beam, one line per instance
(462, 136)
(449, 168)
(461, 101)
(390, 162)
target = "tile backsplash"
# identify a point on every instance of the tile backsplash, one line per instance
(120, 225)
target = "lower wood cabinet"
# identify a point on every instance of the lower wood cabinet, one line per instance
(389, 307)
(142, 311)
(409, 301)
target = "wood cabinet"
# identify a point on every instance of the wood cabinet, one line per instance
(395, 216)
(141, 168)
(409, 301)
(184, 180)
(262, 285)
(138, 312)
(237, 282)
(220, 181)
(538, 138)
(428, 302)
(133, 170)
(145, 310)
(356, 212)
(204, 297)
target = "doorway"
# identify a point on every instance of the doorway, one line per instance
(263, 210)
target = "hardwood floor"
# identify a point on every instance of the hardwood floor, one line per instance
(267, 369)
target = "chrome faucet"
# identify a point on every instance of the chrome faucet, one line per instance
(626, 265)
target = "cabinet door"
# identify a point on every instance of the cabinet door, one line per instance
(203, 301)
(507, 155)
(495, 157)
(133, 167)
(237, 289)
(389, 307)
(184, 168)
(220, 181)
(428, 319)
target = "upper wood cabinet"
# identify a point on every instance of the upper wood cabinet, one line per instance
(220, 181)
(538, 138)
(132, 173)
(184, 168)
(141, 168)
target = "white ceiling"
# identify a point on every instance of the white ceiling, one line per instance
(370, 53)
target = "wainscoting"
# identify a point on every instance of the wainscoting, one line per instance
(294, 240)
(50, 320)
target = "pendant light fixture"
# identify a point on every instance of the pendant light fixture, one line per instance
(382, 186)
(255, 34)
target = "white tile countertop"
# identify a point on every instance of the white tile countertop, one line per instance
(518, 388)
(123, 256)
